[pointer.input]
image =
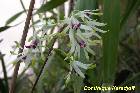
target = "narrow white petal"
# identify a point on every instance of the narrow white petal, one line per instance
(99, 30)
(81, 65)
(78, 71)
(85, 27)
(90, 50)
(95, 23)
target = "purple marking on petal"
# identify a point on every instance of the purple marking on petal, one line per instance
(28, 46)
(35, 42)
(72, 26)
(24, 58)
(87, 14)
(78, 25)
(82, 44)
(34, 46)
(75, 26)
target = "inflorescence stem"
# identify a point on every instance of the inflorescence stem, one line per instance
(23, 39)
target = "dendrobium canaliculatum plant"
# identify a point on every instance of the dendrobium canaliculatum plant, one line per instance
(83, 32)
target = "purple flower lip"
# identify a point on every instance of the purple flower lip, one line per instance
(75, 26)
(87, 14)
(24, 58)
(33, 44)
(28, 46)
(78, 25)
(82, 44)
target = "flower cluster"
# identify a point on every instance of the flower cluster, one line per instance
(84, 32)
(30, 53)
(81, 30)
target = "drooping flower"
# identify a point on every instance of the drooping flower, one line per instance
(82, 30)
(77, 66)
(33, 44)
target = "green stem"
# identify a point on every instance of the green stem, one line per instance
(4, 71)
(23, 6)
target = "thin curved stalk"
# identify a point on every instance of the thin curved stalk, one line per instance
(23, 39)
(23, 6)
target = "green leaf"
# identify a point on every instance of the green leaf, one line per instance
(60, 53)
(77, 83)
(86, 5)
(50, 5)
(92, 66)
(3, 88)
(23, 81)
(4, 28)
(17, 44)
(110, 39)
(132, 6)
(13, 18)
(4, 71)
